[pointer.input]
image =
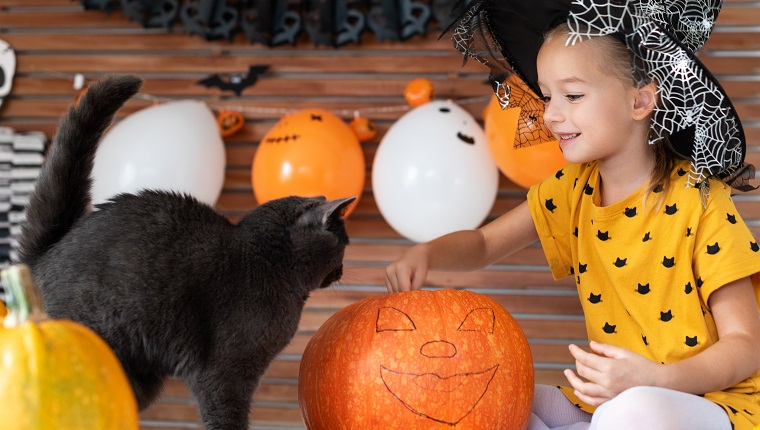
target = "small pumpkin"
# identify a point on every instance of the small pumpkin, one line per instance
(230, 122)
(418, 92)
(3, 311)
(418, 360)
(363, 127)
(57, 374)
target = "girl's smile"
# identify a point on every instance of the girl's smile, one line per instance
(565, 139)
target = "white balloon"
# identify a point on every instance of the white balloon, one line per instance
(173, 146)
(433, 172)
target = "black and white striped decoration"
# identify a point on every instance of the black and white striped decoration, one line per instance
(21, 156)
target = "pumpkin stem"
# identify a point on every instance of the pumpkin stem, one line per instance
(24, 300)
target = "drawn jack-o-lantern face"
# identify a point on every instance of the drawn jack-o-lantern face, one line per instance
(418, 360)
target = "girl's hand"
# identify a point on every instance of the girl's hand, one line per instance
(408, 272)
(609, 372)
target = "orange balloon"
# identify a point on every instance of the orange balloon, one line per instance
(309, 153)
(524, 166)
(418, 92)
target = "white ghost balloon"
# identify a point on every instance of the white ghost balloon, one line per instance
(7, 69)
(173, 146)
(433, 172)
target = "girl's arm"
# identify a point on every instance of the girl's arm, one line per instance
(464, 250)
(736, 355)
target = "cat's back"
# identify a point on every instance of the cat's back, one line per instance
(148, 232)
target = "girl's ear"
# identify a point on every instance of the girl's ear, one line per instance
(645, 100)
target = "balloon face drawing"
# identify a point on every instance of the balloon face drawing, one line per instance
(418, 360)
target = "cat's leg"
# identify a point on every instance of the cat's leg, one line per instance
(224, 396)
(146, 385)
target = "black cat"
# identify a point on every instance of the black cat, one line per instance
(170, 284)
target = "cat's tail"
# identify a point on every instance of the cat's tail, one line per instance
(62, 193)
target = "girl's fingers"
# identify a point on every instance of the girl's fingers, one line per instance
(588, 359)
(390, 281)
(606, 350)
(591, 400)
(589, 392)
(587, 373)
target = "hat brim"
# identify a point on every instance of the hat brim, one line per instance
(694, 111)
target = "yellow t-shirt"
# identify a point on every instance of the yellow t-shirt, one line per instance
(644, 275)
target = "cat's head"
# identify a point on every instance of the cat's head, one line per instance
(316, 237)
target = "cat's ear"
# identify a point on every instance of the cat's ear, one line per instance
(335, 208)
(327, 210)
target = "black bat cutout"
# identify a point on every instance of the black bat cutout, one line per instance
(104, 5)
(212, 19)
(319, 22)
(383, 20)
(256, 22)
(349, 22)
(334, 22)
(236, 83)
(151, 13)
(444, 11)
(415, 17)
(287, 22)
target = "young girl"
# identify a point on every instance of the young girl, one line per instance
(661, 258)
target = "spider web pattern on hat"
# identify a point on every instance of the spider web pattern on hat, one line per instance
(474, 37)
(689, 97)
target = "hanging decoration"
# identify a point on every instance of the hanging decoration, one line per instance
(418, 92)
(434, 160)
(104, 5)
(444, 11)
(230, 122)
(21, 157)
(212, 19)
(398, 19)
(236, 82)
(173, 146)
(311, 152)
(151, 13)
(256, 22)
(273, 23)
(334, 22)
(363, 128)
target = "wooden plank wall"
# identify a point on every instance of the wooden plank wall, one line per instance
(55, 39)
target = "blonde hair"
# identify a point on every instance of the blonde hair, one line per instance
(612, 55)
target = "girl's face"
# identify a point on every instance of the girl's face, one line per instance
(589, 109)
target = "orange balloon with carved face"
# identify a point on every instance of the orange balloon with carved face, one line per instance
(418, 360)
(309, 153)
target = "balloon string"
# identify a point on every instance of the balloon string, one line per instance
(253, 110)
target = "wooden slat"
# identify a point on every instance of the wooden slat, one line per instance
(279, 62)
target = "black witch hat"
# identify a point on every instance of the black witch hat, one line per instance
(694, 112)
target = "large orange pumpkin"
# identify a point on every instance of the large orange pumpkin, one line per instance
(418, 360)
(309, 153)
(57, 374)
(527, 165)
